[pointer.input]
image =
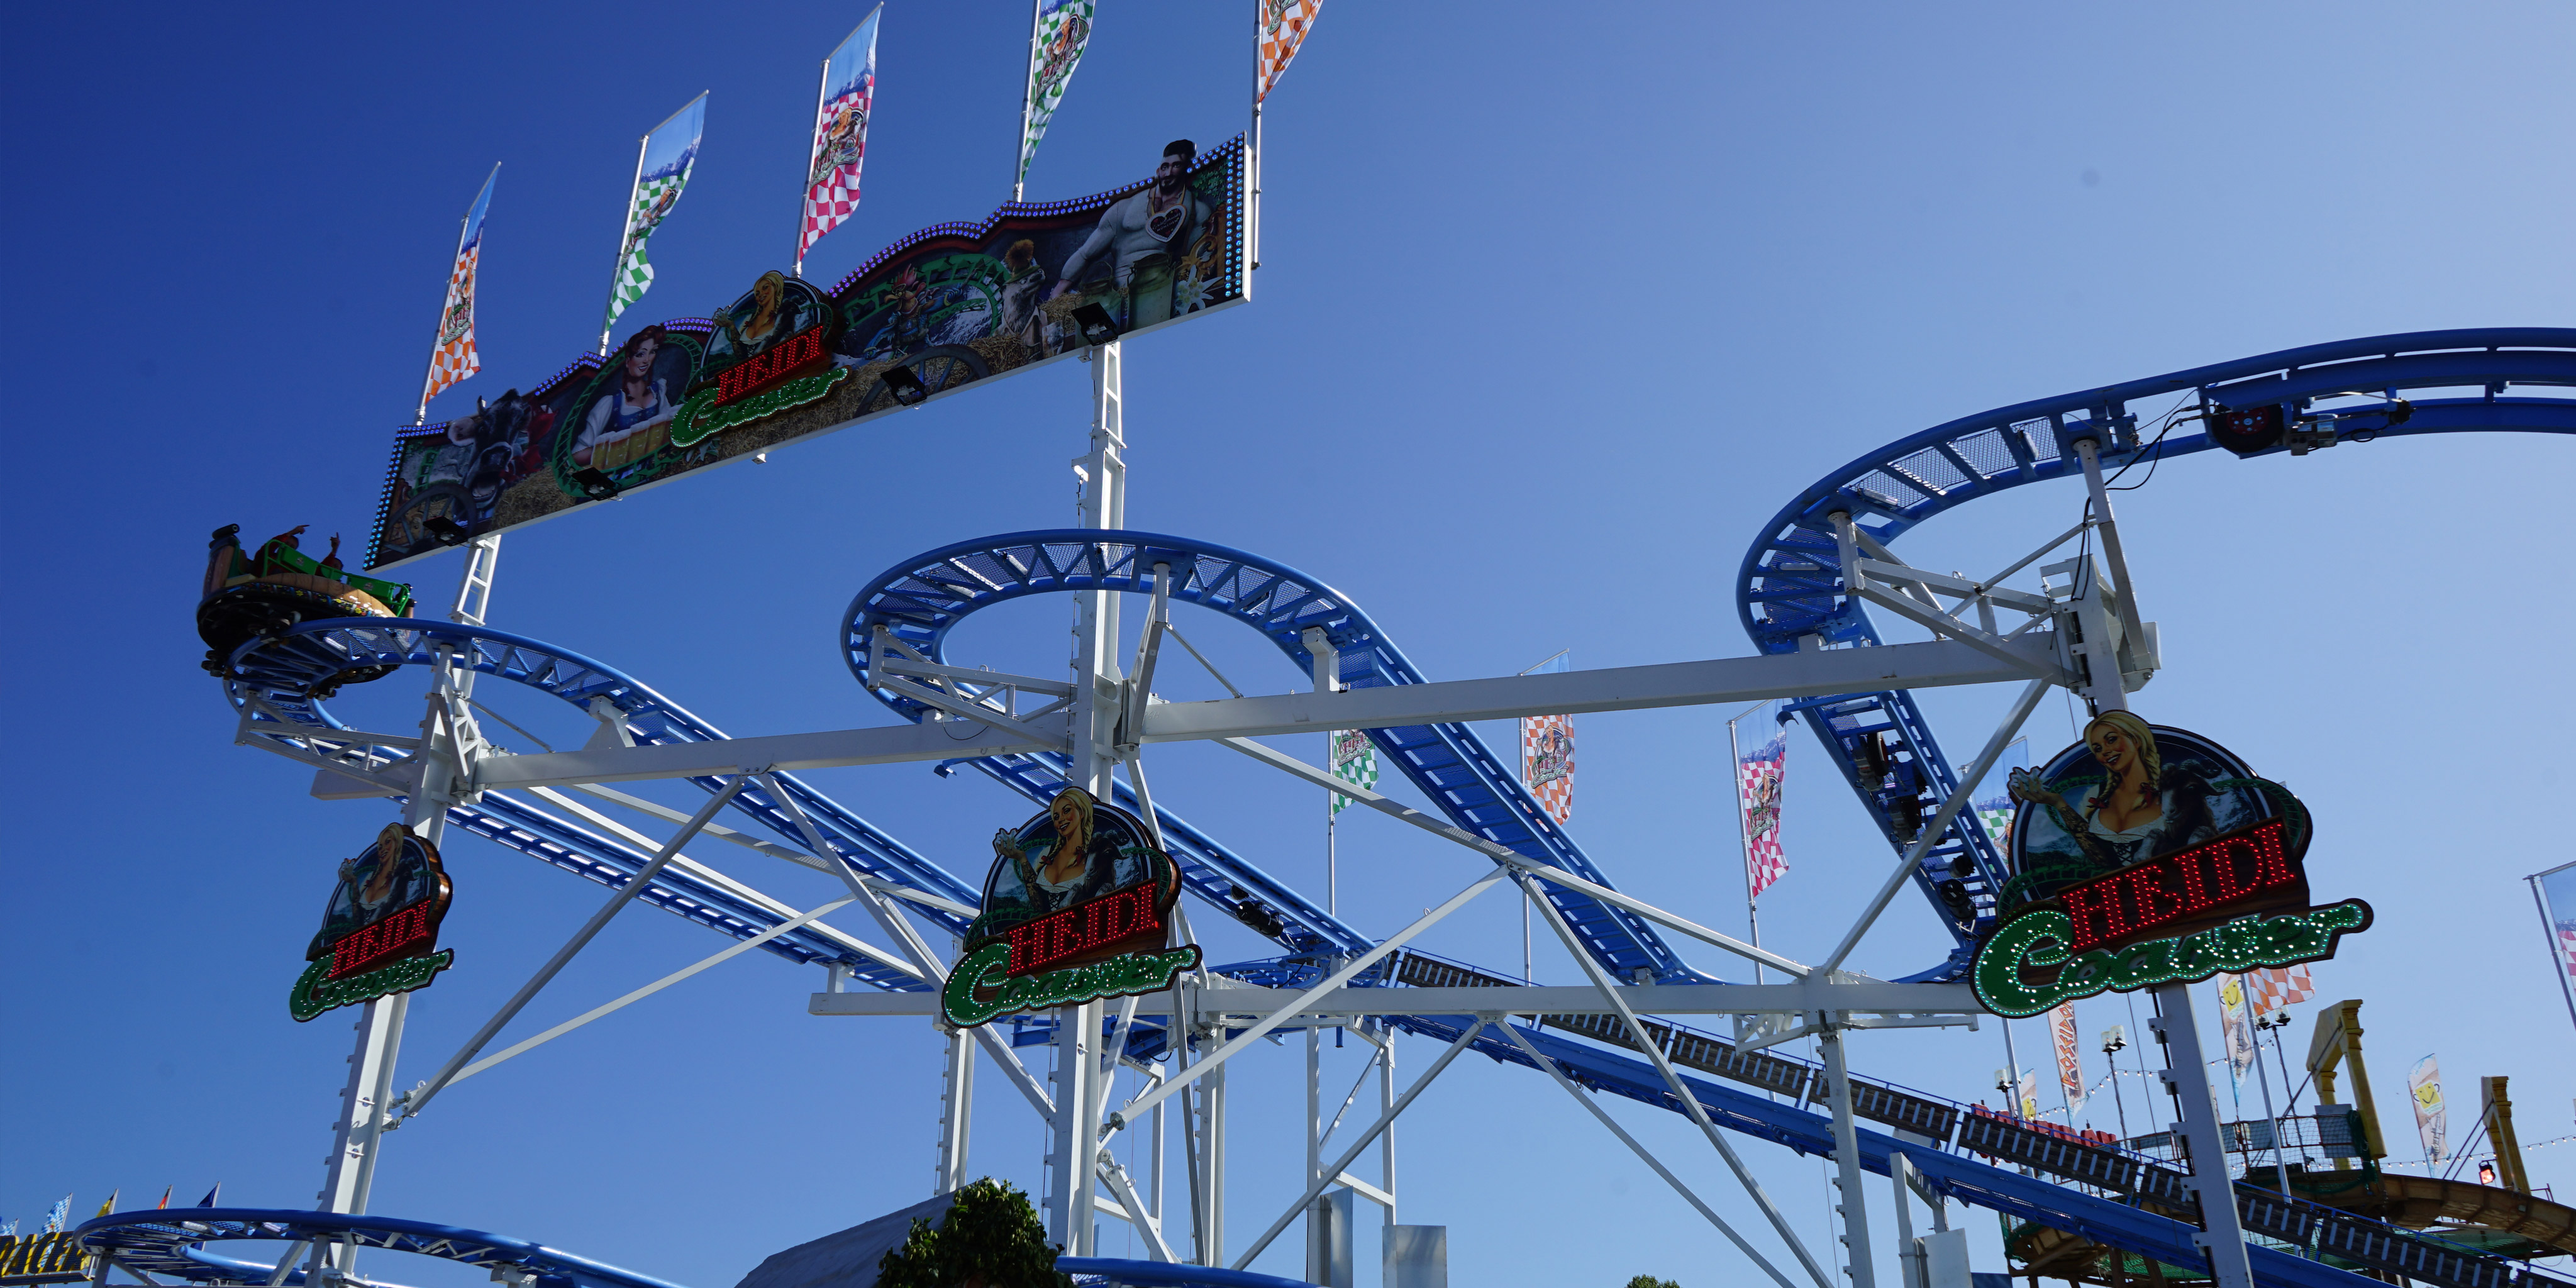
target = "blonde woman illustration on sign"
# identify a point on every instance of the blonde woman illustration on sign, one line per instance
(2126, 795)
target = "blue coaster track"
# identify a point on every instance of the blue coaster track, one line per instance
(1790, 585)
(1788, 589)
(172, 1243)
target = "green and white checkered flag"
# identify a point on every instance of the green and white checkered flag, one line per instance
(1353, 759)
(1055, 48)
(670, 152)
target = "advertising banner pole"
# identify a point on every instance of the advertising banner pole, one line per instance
(626, 227)
(429, 369)
(813, 150)
(2562, 942)
(1028, 92)
(1744, 837)
(1252, 152)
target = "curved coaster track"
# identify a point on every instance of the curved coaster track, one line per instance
(1791, 598)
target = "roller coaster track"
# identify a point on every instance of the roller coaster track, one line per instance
(1789, 590)
(921, 600)
(1790, 586)
(172, 1243)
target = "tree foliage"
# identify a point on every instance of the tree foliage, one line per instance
(991, 1239)
(1649, 1281)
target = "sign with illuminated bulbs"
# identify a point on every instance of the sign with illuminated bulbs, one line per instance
(1077, 909)
(2149, 855)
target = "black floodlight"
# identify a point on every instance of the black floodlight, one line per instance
(2247, 430)
(905, 384)
(445, 531)
(1095, 324)
(595, 485)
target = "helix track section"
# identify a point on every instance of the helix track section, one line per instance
(271, 681)
(1790, 586)
(922, 600)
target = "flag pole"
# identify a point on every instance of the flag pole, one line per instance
(2558, 955)
(813, 152)
(618, 268)
(1252, 202)
(1028, 91)
(1744, 835)
(429, 372)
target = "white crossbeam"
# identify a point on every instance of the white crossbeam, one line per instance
(1875, 997)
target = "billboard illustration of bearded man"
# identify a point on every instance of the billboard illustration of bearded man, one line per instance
(953, 304)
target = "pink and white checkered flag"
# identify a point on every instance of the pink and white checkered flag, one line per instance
(1547, 751)
(1758, 775)
(840, 135)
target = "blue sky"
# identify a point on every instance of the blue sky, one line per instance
(1522, 371)
(668, 145)
(850, 61)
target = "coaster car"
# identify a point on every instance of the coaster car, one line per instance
(279, 587)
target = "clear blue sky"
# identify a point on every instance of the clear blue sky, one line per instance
(1535, 350)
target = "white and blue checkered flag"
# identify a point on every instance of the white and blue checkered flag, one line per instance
(56, 1219)
(1353, 759)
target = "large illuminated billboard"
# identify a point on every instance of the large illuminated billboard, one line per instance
(941, 309)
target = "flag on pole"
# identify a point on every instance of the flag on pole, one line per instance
(165, 1197)
(2070, 1064)
(2029, 1093)
(1283, 27)
(9, 1228)
(62, 1213)
(2236, 1025)
(1758, 776)
(1992, 801)
(211, 1195)
(2273, 987)
(454, 357)
(2424, 1087)
(1547, 751)
(1352, 758)
(110, 1204)
(840, 135)
(1056, 42)
(668, 154)
(2556, 892)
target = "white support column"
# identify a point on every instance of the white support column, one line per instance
(1318, 1220)
(358, 1131)
(1852, 1202)
(1072, 1176)
(1386, 1104)
(2186, 1076)
(1909, 1254)
(1216, 1081)
(956, 1111)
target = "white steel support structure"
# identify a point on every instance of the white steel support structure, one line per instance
(1081, 1075)
(2106, 628)
(366, 1099)
(1850, 1202)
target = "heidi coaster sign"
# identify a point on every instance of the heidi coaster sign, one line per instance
(2150, 855)
(379, 934)
(1076, 909)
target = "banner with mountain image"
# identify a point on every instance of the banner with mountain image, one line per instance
(670, 152)
(840, 135)
(1062, 32)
